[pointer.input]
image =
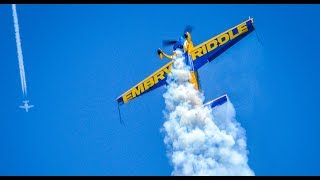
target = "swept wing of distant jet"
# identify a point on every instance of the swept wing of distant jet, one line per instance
(195, 56)
(26, 105)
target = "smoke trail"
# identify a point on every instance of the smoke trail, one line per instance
(201, 141)
(19, 50)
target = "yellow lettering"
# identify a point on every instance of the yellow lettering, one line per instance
(232, 36)
(148, 83)
(126, 97)
(221, 40)
(223, 36)
(158, 76)
(137, 91)
(242, 28)
(209, 45)
(167, 69)
(204, 50)
(197, 52)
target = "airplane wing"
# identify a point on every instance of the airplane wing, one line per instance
(22, 106)
(201, 54)
(150, 83)
(31, 106)
(212, 48)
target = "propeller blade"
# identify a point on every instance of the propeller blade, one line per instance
(168, 42)
(188, 28)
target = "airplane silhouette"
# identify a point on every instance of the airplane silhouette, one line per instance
(26, 105)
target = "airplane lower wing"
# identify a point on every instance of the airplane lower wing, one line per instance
(212, 48)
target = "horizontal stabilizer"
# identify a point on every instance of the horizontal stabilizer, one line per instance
(218, 101)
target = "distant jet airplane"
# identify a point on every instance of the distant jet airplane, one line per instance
(26, 106)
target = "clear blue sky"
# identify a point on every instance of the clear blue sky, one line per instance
(80, 58)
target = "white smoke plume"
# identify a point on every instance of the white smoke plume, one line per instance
(201, 141)
(19, 50)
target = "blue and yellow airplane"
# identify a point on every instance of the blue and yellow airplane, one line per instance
(195, 57)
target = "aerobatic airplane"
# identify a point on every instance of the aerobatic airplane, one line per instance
(195, 57)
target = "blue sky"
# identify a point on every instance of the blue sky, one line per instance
(80, 58)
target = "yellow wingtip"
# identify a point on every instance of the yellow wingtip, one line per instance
(161, 56)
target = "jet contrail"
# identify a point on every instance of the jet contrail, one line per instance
(201, 141)
(19, 50)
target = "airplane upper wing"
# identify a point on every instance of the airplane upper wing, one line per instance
(212, 48)
(150, 83)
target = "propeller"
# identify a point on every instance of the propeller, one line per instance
(188, 28)
(168, 42)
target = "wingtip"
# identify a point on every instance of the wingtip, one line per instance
(251, 19)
